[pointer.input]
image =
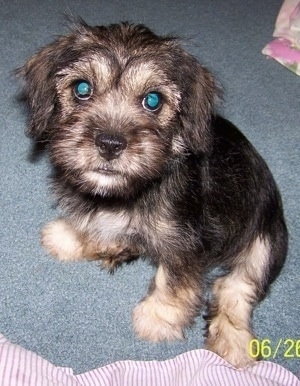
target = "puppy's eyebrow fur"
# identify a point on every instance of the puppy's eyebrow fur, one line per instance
(96, 68)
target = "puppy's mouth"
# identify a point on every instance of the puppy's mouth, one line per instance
(106, 170)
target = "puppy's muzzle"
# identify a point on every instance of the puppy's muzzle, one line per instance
(110, 146)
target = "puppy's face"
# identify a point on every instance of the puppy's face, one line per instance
(117, 106)
(116, 122)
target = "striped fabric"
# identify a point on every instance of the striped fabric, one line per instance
(19, 367)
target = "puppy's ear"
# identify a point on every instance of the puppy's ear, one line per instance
(197, 104)
(39, 88)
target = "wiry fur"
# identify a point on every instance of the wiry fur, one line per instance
(189, 191)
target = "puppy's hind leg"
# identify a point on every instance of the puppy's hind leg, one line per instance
(229, 319)
(62, 241)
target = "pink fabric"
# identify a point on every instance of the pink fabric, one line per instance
(20, 367)
(286, 48)
(288, 22)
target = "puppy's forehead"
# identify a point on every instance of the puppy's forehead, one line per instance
(118, 47)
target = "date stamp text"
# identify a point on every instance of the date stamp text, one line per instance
(266, 349)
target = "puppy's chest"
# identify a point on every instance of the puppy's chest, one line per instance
(111, 227)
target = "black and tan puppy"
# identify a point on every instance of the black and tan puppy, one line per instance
(144, 167)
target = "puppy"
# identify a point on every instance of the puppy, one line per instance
(143, 166)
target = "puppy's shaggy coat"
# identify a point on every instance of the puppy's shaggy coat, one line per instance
(144, 167)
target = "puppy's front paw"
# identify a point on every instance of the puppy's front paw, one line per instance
(62, 241)
(156, 321)
(231, 344)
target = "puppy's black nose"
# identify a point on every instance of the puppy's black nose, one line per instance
(110, 146)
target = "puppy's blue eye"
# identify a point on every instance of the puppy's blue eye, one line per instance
(152, 101)
(83, 90)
